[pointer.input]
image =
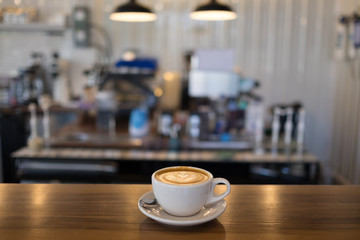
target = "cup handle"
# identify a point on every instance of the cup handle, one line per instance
(213, 198)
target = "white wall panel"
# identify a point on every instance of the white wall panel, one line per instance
(345, 157)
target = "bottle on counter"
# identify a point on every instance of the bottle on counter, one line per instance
(174, 142)
(259, 129)
(139, 122)
(300, 131)
(164, 124)
(288, 126)
(35, 142)
(275, 127)
(60, 90)
(194, 126)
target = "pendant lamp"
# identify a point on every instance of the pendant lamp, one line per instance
(213, 11)
(132, 12)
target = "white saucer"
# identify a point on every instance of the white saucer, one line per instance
(207, 213)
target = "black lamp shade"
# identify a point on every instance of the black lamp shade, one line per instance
(132, 12)
(213, 11)
(132, 6)
(213, 6)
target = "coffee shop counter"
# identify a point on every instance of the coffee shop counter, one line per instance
(92, 212)
(113, 165)
(85, 133)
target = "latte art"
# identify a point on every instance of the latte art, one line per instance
(182, 176)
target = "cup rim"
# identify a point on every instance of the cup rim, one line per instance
(153, 178)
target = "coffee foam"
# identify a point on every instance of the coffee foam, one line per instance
(182, 176)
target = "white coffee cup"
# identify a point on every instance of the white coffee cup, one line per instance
(187, 199)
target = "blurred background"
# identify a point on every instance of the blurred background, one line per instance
(269, 97)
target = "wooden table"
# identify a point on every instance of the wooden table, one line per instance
(41, 211)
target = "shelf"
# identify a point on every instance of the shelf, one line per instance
(132, 76)
(33, 27)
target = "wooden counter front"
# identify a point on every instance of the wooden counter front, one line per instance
(110, 212)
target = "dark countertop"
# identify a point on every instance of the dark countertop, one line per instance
(163, 155)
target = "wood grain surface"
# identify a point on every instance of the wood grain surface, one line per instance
(45, 211)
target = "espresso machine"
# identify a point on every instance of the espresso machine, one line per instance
(34, 80)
